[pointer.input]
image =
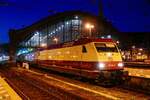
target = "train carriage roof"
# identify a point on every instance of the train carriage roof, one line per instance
(19, 35)
(80, 41)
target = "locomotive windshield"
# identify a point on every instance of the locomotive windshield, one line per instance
(106, 47)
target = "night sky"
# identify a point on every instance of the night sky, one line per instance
(125, 15)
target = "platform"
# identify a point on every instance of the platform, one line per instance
(138, 72)
(6, 92)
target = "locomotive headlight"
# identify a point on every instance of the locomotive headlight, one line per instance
(101, 65)
(120, 65)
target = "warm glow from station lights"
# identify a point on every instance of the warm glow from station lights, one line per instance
(117, 42)
(133, 47)
(141, 49)
(43, 45)
(92, 26)
(120, 65)
(55, 40)
(139, 53)
(89, 26)
(101, 65)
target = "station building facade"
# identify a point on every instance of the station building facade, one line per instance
(59, 28)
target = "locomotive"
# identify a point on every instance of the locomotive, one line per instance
(97, 59)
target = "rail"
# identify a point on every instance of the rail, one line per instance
(137, 65)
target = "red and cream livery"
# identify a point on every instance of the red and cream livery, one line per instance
(91, 58)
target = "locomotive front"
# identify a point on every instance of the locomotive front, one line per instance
(109, 62)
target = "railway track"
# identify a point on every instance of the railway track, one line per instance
(123, 87)
(30, 87)
(120, 92)
(126, 86)
(12, 84)
(42, 91)
(78, 89)
(23, 95)
(27, 88)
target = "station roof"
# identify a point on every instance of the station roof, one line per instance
(17, 36)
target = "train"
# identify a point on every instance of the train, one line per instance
(92, 58)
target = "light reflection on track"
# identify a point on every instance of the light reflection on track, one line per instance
(110, 93)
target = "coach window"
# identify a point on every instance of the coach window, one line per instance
(84, 49)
